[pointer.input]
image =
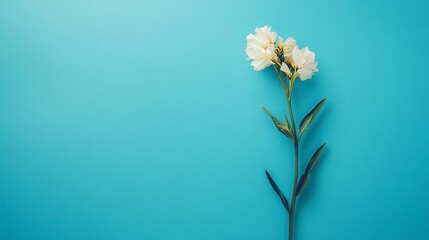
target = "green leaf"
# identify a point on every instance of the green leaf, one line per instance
(287, 123)
(302, 183)
(303, 180)
(309, 117)
(314, 159)
(285, 129)
(277, 190)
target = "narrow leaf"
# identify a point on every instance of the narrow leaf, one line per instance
(280, 126)
(310, 165)
(309, 117)
(314, 159)
(277, 190)
(302, 183)
(287, 123)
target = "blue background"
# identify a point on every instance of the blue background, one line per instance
(140, 120)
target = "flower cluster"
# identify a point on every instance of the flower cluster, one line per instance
(265, 50)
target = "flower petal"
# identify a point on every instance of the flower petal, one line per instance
(285, 68)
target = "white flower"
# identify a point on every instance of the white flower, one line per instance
(286, 46)
(261, 48)
(305, 62)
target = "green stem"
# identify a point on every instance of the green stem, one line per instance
(288, 91)
(282, 81)
(289, 104)
(295, 179)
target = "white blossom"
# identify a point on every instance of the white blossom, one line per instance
(287, 46)
(304, 61)
(261, 48)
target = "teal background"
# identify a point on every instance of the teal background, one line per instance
(141, 120)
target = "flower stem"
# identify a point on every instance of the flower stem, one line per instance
(282, 81)
(287, 88)
(295, 179)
